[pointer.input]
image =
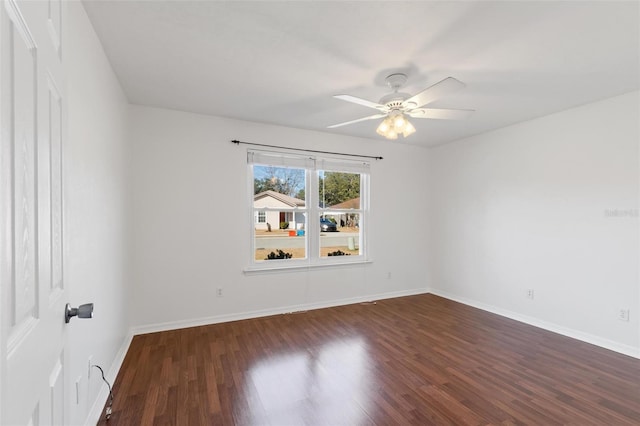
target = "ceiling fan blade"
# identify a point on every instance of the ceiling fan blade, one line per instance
(361, 101)
(432, 93)
(441, 113)
(371, 117)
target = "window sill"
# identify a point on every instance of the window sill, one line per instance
(259, 269)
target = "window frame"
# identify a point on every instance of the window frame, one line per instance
(312, 165)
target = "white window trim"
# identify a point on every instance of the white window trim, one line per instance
(311, 164)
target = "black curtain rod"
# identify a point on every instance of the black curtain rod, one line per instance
(237, 142)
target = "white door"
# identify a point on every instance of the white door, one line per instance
(32, 289)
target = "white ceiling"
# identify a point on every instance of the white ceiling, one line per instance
(281, 62)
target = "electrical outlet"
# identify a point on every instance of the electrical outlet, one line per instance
(89, 363)
(623, 314)
(219, 292)
(530, 293)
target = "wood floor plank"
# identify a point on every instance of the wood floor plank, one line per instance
(420, 360)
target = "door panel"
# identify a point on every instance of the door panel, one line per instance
(56, 394)
(23, 112)
(32, 119)
(55, 179)
(54, 22)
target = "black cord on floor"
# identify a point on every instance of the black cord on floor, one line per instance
(107, 415)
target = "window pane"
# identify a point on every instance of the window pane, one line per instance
(289, 182)
(340, 234)
(281, 233)
(282, 243)
(339, 190)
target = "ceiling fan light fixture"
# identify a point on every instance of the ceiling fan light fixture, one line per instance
(395, 124)
(391, 134)
(408, 129)
(399, 122)
(383, 128)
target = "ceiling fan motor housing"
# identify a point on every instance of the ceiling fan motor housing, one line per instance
(394, 100)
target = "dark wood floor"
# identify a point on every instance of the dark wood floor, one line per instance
(412, 360)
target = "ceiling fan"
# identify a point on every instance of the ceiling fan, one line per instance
(396, 107)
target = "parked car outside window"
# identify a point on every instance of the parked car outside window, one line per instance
(327, 226)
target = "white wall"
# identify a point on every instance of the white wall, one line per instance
(526, 207)
(95, 161)
(191, 223)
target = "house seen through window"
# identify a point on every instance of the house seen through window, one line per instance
(308, 210)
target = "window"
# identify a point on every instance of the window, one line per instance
(308, 210)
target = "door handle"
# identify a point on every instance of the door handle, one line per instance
(82, 311)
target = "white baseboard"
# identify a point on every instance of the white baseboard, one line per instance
(96, 409)
(174, 325)
(575, 334)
